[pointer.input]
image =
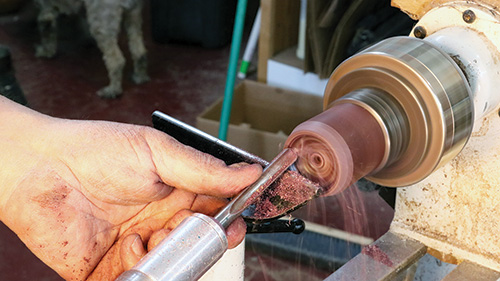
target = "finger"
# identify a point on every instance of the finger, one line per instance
(176, 219)
(187, 168)
(157, 237)
(236, 232)
(131, 250)
(172, 223)
(208, 204)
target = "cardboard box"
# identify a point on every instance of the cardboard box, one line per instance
(285, 70)
(262, 117)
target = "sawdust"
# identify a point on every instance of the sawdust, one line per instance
(374, 252)
(290, 191)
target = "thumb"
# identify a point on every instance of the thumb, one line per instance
(187, 168)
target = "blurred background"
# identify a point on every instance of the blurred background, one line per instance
(188, 70)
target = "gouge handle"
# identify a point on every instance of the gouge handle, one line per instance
(184, 255)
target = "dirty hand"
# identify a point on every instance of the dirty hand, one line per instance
(78, 191)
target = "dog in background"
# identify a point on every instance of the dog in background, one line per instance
(105, 19)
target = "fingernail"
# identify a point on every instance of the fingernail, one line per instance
(237, 166)
(137, 247)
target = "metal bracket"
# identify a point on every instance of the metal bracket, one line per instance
(467, 271)
(382, 260)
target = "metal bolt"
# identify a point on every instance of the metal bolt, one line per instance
(468, 16)
(420, 32)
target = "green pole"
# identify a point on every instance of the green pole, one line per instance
(232, 68)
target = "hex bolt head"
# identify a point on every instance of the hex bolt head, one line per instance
(469, 16)
(420, 32)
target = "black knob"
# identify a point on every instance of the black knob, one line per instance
(295, 226)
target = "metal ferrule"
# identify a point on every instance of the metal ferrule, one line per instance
(433, 96)
(390, 116)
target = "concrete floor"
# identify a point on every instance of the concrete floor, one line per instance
(184, 81)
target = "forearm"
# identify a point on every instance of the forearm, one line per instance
(17, 121)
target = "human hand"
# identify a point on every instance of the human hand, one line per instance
(75, 191)
(129, 249)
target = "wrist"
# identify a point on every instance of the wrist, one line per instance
(20, 124)
(21, 141)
